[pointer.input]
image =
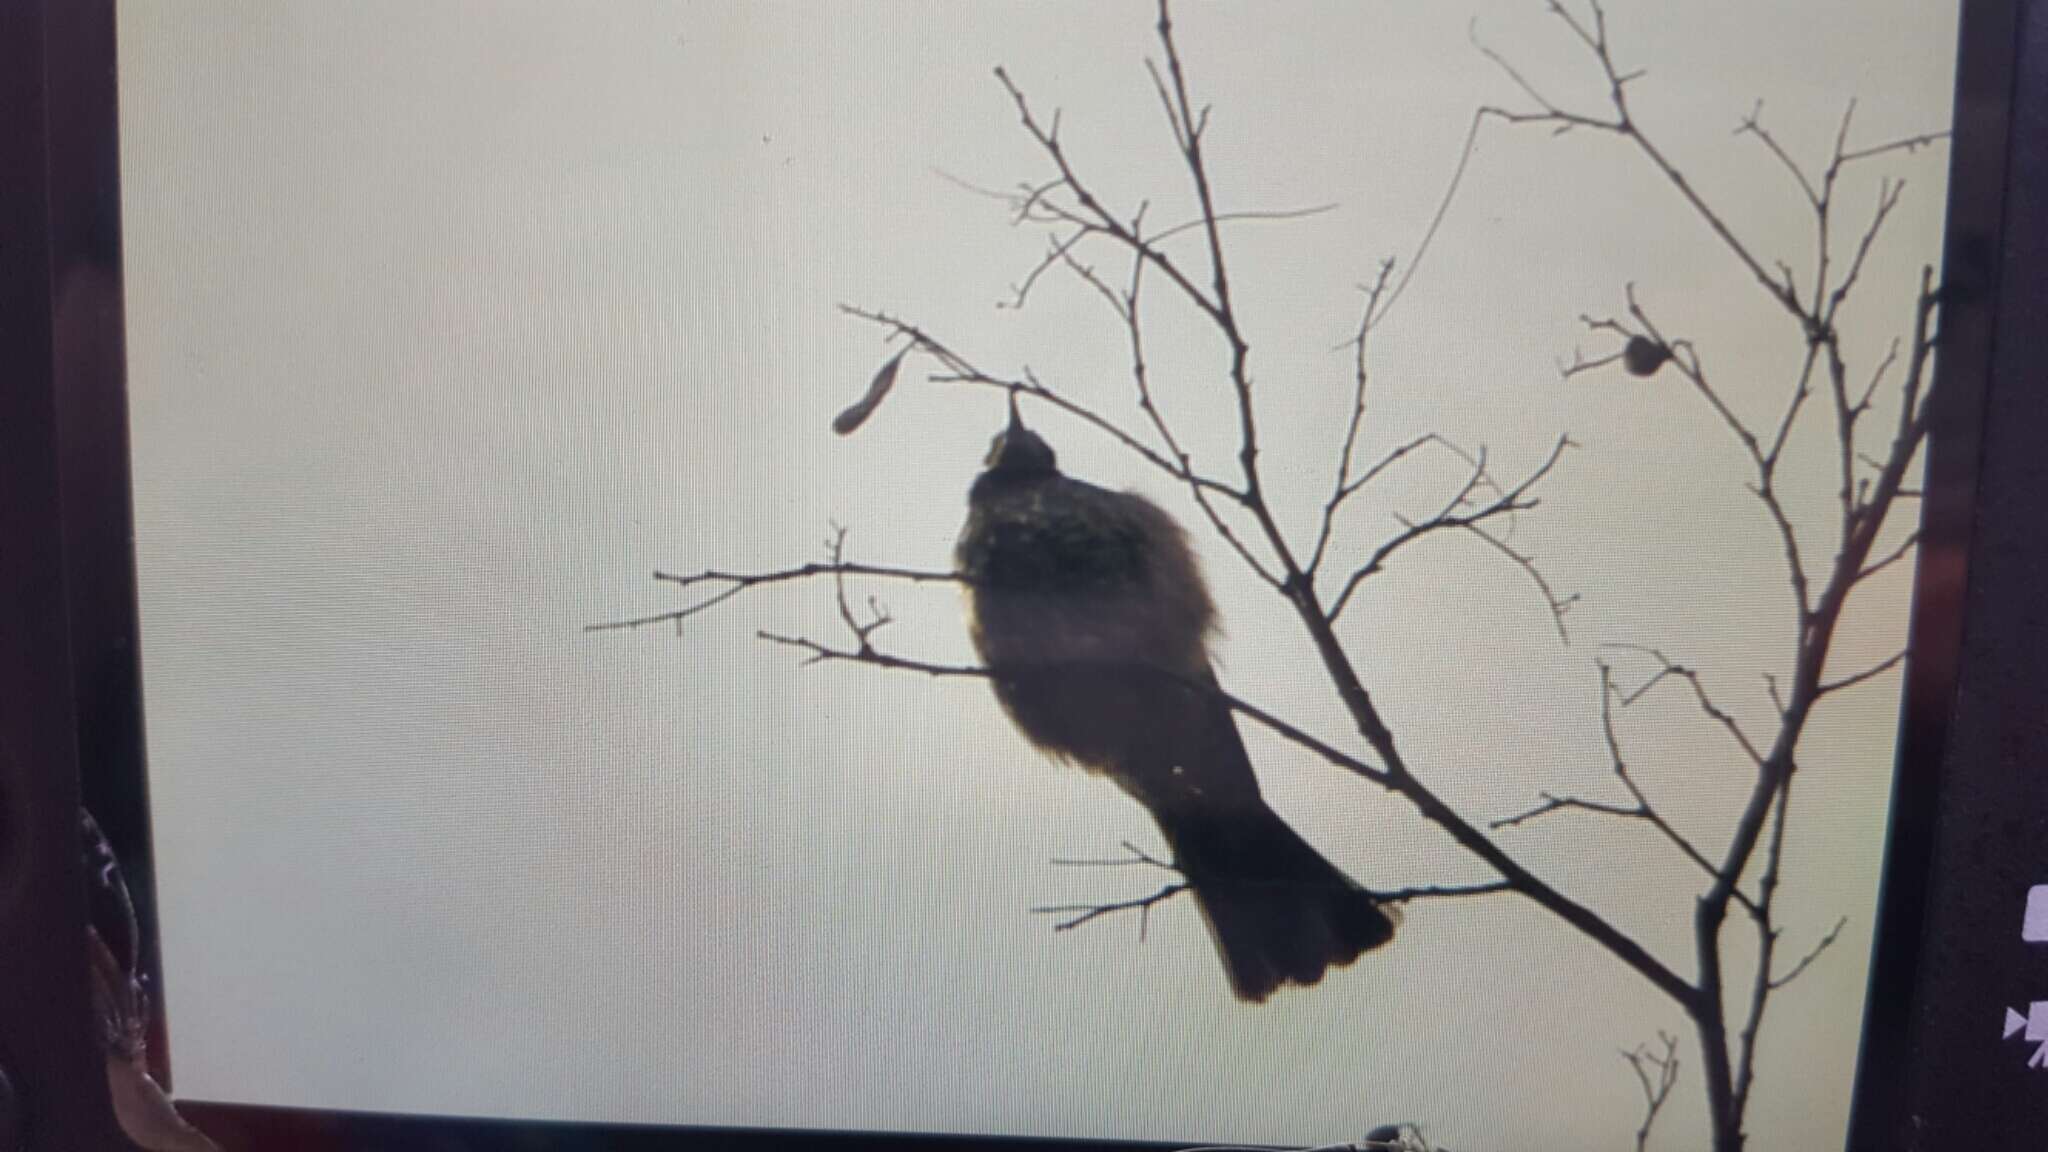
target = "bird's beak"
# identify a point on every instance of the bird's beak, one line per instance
(1002, 439)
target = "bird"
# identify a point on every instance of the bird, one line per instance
(1089, 612)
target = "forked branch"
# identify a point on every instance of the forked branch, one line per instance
(1656, 1072)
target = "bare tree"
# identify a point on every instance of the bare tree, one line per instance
(1741, 869)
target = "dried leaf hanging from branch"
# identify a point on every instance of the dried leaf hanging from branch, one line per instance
(857, 413)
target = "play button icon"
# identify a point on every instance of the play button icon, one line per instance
(2035, 1025)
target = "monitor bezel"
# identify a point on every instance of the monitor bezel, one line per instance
(87, 511)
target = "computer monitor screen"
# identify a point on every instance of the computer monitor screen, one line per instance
(1211, 573)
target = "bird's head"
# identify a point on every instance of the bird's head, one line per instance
(1018, 450)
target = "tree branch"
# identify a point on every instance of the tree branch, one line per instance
(1079, 914)
(1441, 891)
(1766, 951)
(1509, 501)
(1077, 216)
(1133, 855)
(1343, 488)
(1807, 960)
(1363, 480)
(1141, 377)
(959, 370)
(1299, 589)
(1623, 124)
(1668, 668)
(820, 653)
(1640, 808)
(1657, 1072)
(1871, 673)
(1094, 216)
(1892, 557)
(1559, 606)
(734, 583)
(1752, 125)
(1864, 506)
(1685, 357)
(1188, 129)
(1911, 143)
(1551, 802)
(1515, 877)
(1302, 593)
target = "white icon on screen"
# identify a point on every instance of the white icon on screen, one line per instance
(2034, 928)
(2035, 1025)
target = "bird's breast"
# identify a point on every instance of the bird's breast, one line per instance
(1063, 573)
(1013, 628)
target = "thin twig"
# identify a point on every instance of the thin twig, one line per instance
(1093, 213)
(1905, 548)
(1135, 855)
(1887, 664)
(1559, 605)
(961, 370)
(1442, 891)
(1780, 800)
(734, 583)
(1752, 125)
(1641, 808)
(1343, 489)
(1448, 516)
(1250, 214)
(820, 653)
(1807, 960)
(1669, 668)
(1911, 143)
(1079, 914)
(1551, 802)
(1436, 221)
(1657, 1072)
(1877, 376)
(1141, 377)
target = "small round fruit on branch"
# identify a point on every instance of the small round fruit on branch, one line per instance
(1643, 356)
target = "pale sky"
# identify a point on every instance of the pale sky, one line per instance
(449, 323)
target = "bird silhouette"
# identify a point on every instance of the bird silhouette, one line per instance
(1090, 612)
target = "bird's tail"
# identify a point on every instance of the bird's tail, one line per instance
(1279, 912)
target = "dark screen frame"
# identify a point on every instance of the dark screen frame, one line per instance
(71, 722)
